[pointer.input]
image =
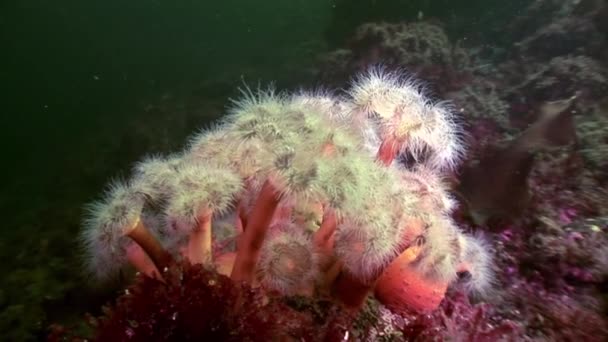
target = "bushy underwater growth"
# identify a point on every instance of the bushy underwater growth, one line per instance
(308, 194)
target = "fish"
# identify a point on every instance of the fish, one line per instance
(496, 186)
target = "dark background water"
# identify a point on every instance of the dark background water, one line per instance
(87, 87)
(67, 63)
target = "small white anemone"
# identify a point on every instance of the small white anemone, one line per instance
(200, 187)
(440, 249)
(353, 183)
(443, 137)
(256, 115)
(253, 129)
(324, 102)
(402, 112)
(209, 144)
(105, 227)
(340, 184)
(429, 133)
(380, 93)
(294, 172)
(288, 261)
(154, 176)
(428, 185)
(365, 248)
(475, 256)
(252, 99)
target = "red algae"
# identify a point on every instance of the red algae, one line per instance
(202, 305)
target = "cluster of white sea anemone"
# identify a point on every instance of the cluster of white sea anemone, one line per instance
(294, 191)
